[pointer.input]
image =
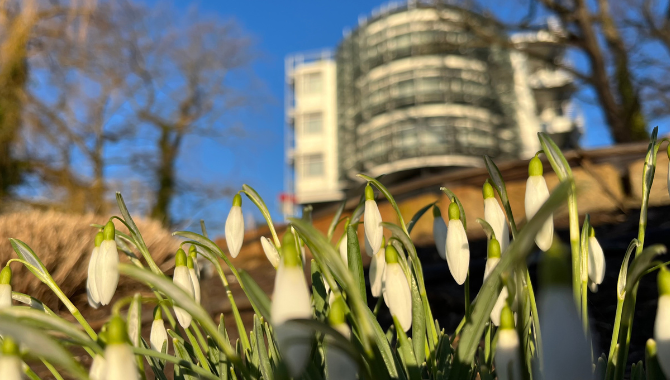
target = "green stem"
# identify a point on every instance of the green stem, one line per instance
(585, 307)
(52, 369)
(615, 338)
(177, 361)
(575, 245)
(30, 373)
(487, 344)
(535, 316)
(467, 296)
(378, 305)
(238, 319)
(198, 351)
(201, 338)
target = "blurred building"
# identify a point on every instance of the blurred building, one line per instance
(411, 92)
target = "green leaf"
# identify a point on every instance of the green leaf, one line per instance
(355, 261)
(555, 156)
(453, 196)
(258, 201)
(516, 253)
(359, 210)
(641, 264)
(266, 369)
(256, 293)
(418, 216)
(487, 228)
(319, 293)
(336, 219)
(406, 353)
(33, 303)
(388, 196)
(26, 254)
(499, 184)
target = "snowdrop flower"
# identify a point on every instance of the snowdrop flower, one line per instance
(10, 362)
(270, 251)
(536, 194)
(493, 258)
(91, 286)
(158, 336)
(567, 351)
(507, 360)
(107, 266)
(458, 250)
(194, 279)
(662, 325)
(494, 215)
(396, 289)
(5, 287)
(439, 233)
(377, 265)
(193, 252)
(119, 357)
(343, 248)
(596, 260)
(235, 227)
(98, 368)
(372, 219)
(182, 278)
(291, 300)
(339, 365)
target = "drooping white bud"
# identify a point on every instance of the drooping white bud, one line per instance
(5, 287)
(439, 233)
(596, 261)
(494, 215)
(507, 359)
(107, 266)
(91, 284)
(372, 218)
(395, 289)
(10, 361)
(119, 357)
(270, 251)
(98, 369)
(497, 308)
(158, 336)
(190, 264)
(536, 194)
(235, 227)
(182, 278)
(343, 249)
(377, 266)
(458, 248)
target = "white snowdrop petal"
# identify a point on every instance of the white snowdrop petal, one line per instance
(120, 362)
(196, 285)
(98, 369)
(397, 294)
(567, 353)
(440, 236)
(596, 261)
(290, 299)
(270, 251)
(235, 230)
(11, 367)
(343, 249)
(458, 251)
(376, 271)
(91, 286)
(494, 215)
(158, 335)
(107, 271)
(5, 296)
(490, 266)
(536, 194)
(507, 361)
(182, 278)
(662, 333)
(372, 218)
(497, 308)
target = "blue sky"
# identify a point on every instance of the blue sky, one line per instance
(279, 28)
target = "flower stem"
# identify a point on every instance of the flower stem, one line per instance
(467, 296)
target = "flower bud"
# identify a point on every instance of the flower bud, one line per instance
(661, 326)
(91, 284)
(98, 369)
(536, 194)
(493, 257)
(342, 247)
(507, 359)
(372, 219)
(10, 362)
(193, 252)
(395, 288)
(439, 233)
(158, 336)
(107, 266)
(235, 227)
(194, 279)
(458, 249)
(377, 266)
(596, 260)
(270, 251)
(118, 353)
(495, 217)
(5, 287)
(182, 278)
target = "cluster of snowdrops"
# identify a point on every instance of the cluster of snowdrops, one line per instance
(324, 328)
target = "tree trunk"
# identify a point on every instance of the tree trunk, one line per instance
(168, 150)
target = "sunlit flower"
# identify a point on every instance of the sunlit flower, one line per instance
(495, 217)
(190, 264)
(5, 287)
(91, 286)
(193, 252)
(662, 324)
(158, 336)
(182, 278)
(372, 219)
(270, 251)
(507, 359)
(377, 265)
(493, 258)
(235, 227)
(10, 362)
(342, 247)
(107, 266)
(291, 300)
(536, 194)
(596, 260)
(439, 233)
(98, 370)
(395, 288)
(339, 364)
(458, 249)
(119, 357)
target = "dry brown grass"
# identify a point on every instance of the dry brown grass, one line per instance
(64, 242)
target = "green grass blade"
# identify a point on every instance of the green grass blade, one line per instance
(257, 294)
(355, 261)
(418, 216)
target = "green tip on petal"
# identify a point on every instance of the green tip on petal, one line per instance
(109, 231)
(554, 267)
(237, 200)
(391, 255)
(650, 348)
(663, 281)
(9, 346)
(487, 190)
(99, 237)
(116, 331)
(289, 252)
(535, 167)
(436, 212)
(6, 276)
(193, 251)
(507, 318)
(369, 193)
(454, 211)
(494, 249)
(592, 232)
(337, 312)
(189, 262)
(158, 314)
(180, 258)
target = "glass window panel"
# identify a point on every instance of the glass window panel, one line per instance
(312, 165)
(312, 83)
(312, 123)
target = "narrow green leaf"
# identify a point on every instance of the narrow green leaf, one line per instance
(355, 261)
(555, 156)
(319, 294)
(258, 201)
(641, 263)
(359, 210)
(453, 196)
(418, 216)
(33, 303)
(336, 219)
(26, 254)
(266, 369)
(487, 228)
(406, 353)
(256, 293)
